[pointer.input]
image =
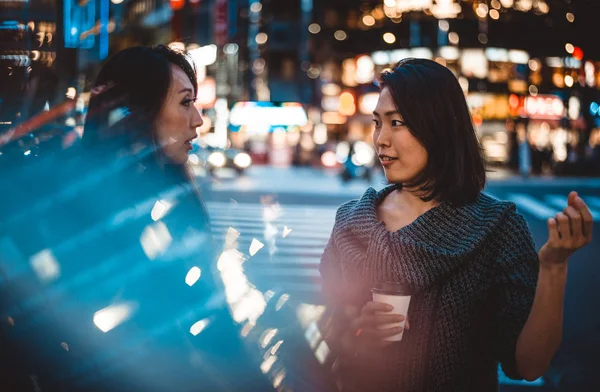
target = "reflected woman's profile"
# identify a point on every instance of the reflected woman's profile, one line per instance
(124, 293)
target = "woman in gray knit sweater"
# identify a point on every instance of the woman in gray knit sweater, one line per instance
(481, 294)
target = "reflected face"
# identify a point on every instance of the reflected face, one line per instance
(402, 156)
(176, 124)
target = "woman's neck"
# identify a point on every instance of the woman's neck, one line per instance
(410, 199)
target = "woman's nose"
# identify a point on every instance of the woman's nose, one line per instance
(197, 119)
(383, 138)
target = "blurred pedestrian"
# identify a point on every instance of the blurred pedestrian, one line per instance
(121, 235)
(480, 293)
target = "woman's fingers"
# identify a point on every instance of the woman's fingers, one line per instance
(374, 307)
(553, 235)
(383, 319)
(587, 219)
(564, 227)
(575, 222)
(378, 334)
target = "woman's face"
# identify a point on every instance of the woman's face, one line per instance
(402, 156)
(176, 123)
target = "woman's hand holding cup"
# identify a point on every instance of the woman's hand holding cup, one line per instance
(370, 328)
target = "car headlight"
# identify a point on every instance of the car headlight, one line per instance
(217, 159)
(242, 160)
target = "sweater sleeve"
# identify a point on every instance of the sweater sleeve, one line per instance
(331, 272)
(515, 285)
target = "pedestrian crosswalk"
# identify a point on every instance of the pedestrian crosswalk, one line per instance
(294, 236)
(547, 206)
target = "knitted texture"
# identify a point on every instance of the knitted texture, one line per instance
(473, 272)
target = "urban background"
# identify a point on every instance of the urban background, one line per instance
(291, 82)
(286, 88)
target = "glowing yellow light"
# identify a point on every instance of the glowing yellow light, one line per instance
(494, 14)
(570, 48)
(368, 20)
(569, 81)
(389, 38)
(261, 38)
(340, 35)
(314, 28)
(570, 17)
(453, 38)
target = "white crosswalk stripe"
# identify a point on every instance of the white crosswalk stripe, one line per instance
(532, 206)
(290, 262)
(561, 202)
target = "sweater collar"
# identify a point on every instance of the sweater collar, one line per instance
(426, 251)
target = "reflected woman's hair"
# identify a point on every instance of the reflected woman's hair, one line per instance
(432, 104)
(128, 96)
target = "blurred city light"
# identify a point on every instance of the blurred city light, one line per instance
(331, 89)
(534, 64)
(368, 20)
(445, 9)
(329, 159)
(256, 6)
(340, 35)
(494, 14)
(481, 10)
(365, 69)
(569, 48)
(347, 107)
(242, 160)
(570, 17)
(261, 38)
(443, 25)
(314, 28)
(231, 48)
(569, 81)
(389, 38)
(204, 55)
(453, 38)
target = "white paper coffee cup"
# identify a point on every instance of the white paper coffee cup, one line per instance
(398, 296)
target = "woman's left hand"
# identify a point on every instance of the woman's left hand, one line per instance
(569, 231)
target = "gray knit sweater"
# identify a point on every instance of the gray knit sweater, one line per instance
(473, 270)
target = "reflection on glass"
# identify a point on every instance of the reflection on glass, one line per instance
(199, 326)
(160, 209)
(267, 336)
(45, 266)
(155, 239)
(192, 276)
(255, 246)
(113, 315)
(267, 364)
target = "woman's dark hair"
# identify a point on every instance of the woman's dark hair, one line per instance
(129, 93)
(430, 100)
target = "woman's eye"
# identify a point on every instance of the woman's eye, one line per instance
(376, 123)
(187, 102)
(397, 123)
